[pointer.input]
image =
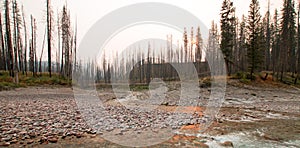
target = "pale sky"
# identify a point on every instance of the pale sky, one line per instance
(88, 12)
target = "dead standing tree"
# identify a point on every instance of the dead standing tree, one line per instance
(49, 32)
(3, 50)
(9, 41)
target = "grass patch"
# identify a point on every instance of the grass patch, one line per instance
(7, 82)
(139, 87)
(206, 82)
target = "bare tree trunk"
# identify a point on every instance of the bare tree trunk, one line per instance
(40, 65)
(4, 67)
(58, 52)
(16, 42)
(75, 48)
(49, 36)
(8, 37)
(32, 48)
(25, 48)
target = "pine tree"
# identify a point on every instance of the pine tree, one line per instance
(227, 32)
(242, 45)
(275, 45)
(192, 44)
(213, 47)
(268, 39)
(298, 46)
(185, 41)
(199, 46)
(287, 38)
(254, 44)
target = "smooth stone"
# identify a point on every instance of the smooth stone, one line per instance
(53, 140)
(227, 144)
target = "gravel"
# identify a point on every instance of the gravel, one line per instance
(35, 115)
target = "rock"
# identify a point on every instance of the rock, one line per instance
(200, 144)
(92, 132)
(32, 135)
(5, 144)
(93, 136)
(36, 124)
(25, 137)
(6, 139)
(267, 137)
(43, 139)
(63, 136)
(253, 94)
(53, 140)
(30, 142)
(227, 144)
(78, 135)
(14, 141)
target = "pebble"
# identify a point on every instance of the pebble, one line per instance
(30, 141)
(5, 144)
(43, 139)
(6, 139)
(14, 141)
(53, 140)
(56, 118)
(78, 135)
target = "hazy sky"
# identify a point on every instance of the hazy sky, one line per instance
(88, 12)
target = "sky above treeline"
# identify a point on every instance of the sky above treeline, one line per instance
(88, 12)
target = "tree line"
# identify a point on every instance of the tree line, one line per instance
(250, 44)
(255, 43)
(18, 42)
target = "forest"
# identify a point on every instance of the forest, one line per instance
(238, 84)
(254, 43)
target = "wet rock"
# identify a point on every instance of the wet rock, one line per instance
(267, 137)
(227, 144)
